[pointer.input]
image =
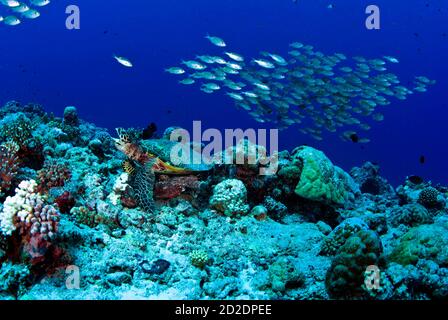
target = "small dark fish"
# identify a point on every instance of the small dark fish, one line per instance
(415, 179)
(148, 133)
(354, 137)
(422, 159)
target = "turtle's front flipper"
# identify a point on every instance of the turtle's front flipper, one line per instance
(163, 167)
(143, 184)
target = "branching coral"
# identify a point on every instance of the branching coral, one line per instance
(52, 175)
(9, 165)
(199, 258)
(36, 222)
(17, 128)
(230, 197)
(340, 234)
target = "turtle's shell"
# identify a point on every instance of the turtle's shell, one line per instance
(162, 148)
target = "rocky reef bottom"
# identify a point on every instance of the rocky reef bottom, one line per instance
(87, 216)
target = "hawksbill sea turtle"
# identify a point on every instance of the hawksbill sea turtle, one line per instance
(145, 159)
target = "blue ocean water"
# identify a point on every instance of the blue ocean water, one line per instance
(43, 62)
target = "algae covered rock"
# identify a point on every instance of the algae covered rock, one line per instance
(283, 275)
(428, 242)
(410, 215)
(322, 181)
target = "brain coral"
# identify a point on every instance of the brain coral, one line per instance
(229, 197)
(322, 181)
(345, 278)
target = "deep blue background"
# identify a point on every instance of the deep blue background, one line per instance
(41, 61)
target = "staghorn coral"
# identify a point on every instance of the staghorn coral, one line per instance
(9, 165)
(53, 174)
(230, 197)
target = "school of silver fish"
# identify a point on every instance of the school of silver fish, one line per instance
(16, 10)
(320, 92)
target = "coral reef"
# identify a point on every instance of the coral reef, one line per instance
(140, 226)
